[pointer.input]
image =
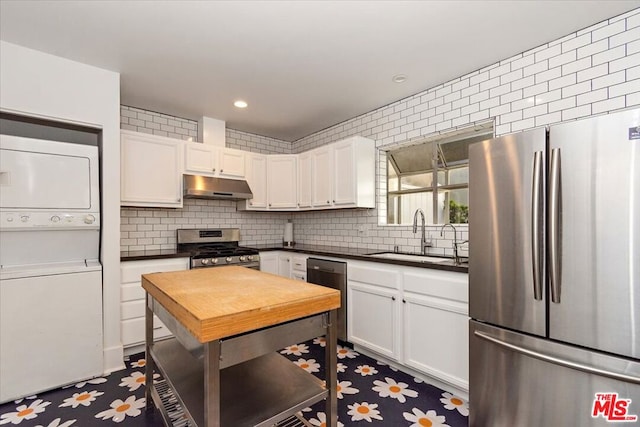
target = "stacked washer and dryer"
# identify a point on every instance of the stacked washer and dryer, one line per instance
(50, 273)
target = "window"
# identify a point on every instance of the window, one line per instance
(433, 175)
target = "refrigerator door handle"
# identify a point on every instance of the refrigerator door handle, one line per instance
(536, 208)
(554, 225)
(557, 361)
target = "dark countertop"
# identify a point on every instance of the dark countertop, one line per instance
(361, 255)
(328, 251)
(155, 254)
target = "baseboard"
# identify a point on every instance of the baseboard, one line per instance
(113, 359)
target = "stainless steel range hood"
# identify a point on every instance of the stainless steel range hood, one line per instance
(206, 187)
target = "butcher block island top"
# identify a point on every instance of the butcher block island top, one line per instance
(214, 303)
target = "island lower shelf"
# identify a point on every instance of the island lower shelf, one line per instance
(247, 395)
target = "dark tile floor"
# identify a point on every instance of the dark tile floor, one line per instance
(369, 393)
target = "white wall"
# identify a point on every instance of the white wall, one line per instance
(37, 84)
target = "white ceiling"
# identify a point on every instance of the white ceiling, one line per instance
(301, 65)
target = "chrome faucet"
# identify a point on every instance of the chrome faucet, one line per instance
(456, 258)
(424, 244)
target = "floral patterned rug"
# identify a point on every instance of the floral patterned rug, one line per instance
(369, 393)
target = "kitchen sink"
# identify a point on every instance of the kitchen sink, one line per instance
(411, 257)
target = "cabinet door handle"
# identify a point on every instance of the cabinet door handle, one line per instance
(404, 301)
(269, 204)
(393, 298)
(213, 170)
(334, 201)
(328, 202)
(221, 170)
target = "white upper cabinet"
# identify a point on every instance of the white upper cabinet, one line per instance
(354, 173)
(338, 175)
(323, 176)
(256, 167)
(203, 159)
(305, 179)
(151, 170)
(282, 189)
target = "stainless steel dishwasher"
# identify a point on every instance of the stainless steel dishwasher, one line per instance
(332, 274)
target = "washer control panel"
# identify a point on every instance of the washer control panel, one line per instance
(57, 219)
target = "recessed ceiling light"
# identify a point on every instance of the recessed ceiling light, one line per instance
(240, 104)
(399, 78)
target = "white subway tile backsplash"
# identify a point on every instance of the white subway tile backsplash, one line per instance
(576, 89)
(536, 68)
(593, 72)
(546, 119)
(624, 88)
(633, 20)
(550, 74)
(576, 42)
(535, 89)
(520, 92)
(625, 37)
(548, 53)
(561, 82)
(624, 63)
(608, 105)
(608, 30)
(491, 83)
(523, 124)
(591, 97)
(609, 55)
(574, 113)
(562, 104)
(575, 66)
(562, 59)
(608, 80)
(479, 78)
(593, 48)
(511, 96)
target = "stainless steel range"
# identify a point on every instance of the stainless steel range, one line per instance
(215, 247)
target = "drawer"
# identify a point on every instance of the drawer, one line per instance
(132, 309)
(299, 276)
(299, 263)
(131, 291)
(132, 330)
(130, 271)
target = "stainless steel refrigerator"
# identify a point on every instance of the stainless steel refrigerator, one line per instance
(554, 275)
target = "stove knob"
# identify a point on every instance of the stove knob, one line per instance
(228, 259)
(89, 219)
(243, 258)
(24, 218)
(55, 218)
(214, 261)
(250, 258)
(204, 261)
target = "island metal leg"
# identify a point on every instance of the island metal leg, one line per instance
(150, 365)
(212, 384)
(331, 368)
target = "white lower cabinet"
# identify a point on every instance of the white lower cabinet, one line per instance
(132, 298)
(286, 264)
(436, 325)
(373, 310)
(269, 262)
(415, 316)
(299, 267)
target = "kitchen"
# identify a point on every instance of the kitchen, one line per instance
(63, 97)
